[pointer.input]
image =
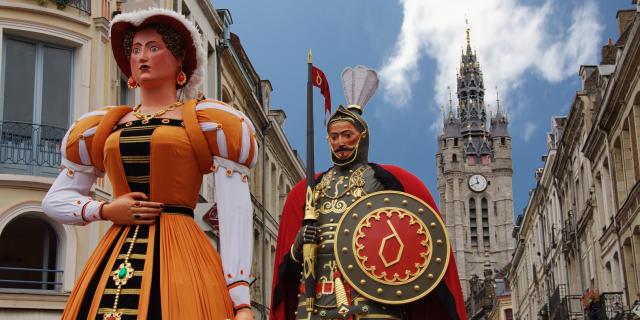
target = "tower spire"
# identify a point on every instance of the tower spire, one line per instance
(468, 30)
(497, 100)
(450, 101)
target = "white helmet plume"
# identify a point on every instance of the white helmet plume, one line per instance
(359, 83)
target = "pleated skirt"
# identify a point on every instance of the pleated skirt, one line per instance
(177, 274)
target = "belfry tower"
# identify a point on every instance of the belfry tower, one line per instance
(475, 175)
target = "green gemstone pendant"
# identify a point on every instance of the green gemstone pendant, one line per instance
(122, 274)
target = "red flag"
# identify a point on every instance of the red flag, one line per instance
(320, 81)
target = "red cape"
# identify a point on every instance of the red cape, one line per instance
(445, 302)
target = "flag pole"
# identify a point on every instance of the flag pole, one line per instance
(310, 216)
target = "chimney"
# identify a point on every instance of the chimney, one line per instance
(625, 18)
(608, 53)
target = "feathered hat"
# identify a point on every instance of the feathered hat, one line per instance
(195, 56)
(359, 84)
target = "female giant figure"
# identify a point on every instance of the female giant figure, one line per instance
(155, 262)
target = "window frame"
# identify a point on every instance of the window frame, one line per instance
(39, 69)
(66, 250)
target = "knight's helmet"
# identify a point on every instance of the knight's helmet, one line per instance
(359, 84)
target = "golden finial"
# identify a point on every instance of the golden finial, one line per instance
(309, 57)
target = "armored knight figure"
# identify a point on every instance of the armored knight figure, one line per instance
(382, 249)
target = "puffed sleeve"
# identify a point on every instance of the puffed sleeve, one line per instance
(231, 139)
(68, 199)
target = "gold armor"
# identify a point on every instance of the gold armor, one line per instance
(339, 188)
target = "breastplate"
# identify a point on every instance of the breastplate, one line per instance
(337, 190)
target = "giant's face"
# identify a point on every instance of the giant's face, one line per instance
(152, 63)
(343, 138)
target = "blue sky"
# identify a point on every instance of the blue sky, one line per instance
(531, 50)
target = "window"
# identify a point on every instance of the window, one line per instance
(508, 314)
(627, 155)
(486, 159)
(455, 142)
(454, 158)
(32, 264)
(473, 223)
(37, 82)
(125, 96)
(471, 160)
(35, 108)
(485, 223)
(619, 172)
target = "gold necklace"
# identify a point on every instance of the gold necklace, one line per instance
(146, 117)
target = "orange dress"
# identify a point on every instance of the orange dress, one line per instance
(176, 273)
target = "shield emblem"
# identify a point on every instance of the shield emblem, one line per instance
(392, 247)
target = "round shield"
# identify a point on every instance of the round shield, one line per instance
(392, 247)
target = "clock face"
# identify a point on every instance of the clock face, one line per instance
(477, 183)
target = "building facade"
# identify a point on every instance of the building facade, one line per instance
(56, 66)
(475, 177)
(580, 232)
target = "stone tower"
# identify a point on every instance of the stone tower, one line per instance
(474, 176)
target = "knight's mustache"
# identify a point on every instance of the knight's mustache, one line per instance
(343, 148)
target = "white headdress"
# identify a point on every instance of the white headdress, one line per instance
(359, 83)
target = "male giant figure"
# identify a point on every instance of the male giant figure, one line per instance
(351, 178)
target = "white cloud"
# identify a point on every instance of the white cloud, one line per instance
(529, 129)
(511, 39)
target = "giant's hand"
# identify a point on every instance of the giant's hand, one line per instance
(128, 209)
(306, 234)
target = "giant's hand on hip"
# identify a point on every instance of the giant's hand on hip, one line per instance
(130, 209)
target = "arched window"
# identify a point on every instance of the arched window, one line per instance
(454, 158)
(619, 178)
(485, 223)
(32, 264)
(226, 95)
(473, 222)
(272, 191)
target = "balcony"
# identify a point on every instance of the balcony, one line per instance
(82, 5)
(568, 234)
(564, 306)
(558, 303)
(30, 149)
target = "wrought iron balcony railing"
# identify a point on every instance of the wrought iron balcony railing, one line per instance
(29, 148)
(30, 278)
(81, 5)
